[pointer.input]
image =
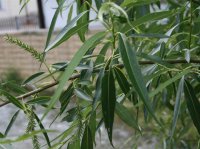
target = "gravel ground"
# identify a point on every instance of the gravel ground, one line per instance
(122, 136)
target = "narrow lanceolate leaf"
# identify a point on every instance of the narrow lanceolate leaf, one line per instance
(137, 2)
(12, 99)
(151, 17)
(134, 72)
(122, 80)
(154, 16)
(91, 42)
(92, 125)
(63, 32)
(22, 137)
(177, 106)
(39, 100)
(65, 98)
(108, 99)
(12, 86)
(81, 7)
(82, 95)
(87, 142)
(11, 123)
(42, 128)
(150, 35)
(53, 22)
(168, 82)
(155, 59)
(193, 104)
(126, 116)
(123, 83)
(70, 13)
(100, 58)
(66, 34)
(32, 77)
(98, 89)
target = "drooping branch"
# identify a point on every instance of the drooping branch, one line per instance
(95, 71)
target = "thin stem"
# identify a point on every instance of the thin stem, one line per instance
(51, 74)
(95, 71)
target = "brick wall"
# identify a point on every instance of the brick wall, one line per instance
(13, 57)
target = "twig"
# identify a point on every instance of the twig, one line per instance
(38, 90)
(95, 71)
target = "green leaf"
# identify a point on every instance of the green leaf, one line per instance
(65, 98)
(74, 144)
(85, 19)
(53, 23)
(22, 137)
(126, 116)
(137, 3)
(155, 59)
(1, 135)
(23, 5)
(86, 74)
(98, 3)
(12, 86)
(62, 35)
(134, 72)
(71, 115)
(32, 77)
(12, 99)
(168, 82)
(151, 17)
(154, 17)
(70, 13)
(123, 83)
(150, 35)
(108, 99)
(100, 58)
(193, 104)
(82, 95)
(39, 100)
(11, 123)
(42, 128)
(98, 89)
(91, 42)
(87, 142)
(162, 50)
(92, 125)
(177, 106)
(122, 80)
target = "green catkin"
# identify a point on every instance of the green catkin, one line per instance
(80, 123)
(24, 46)
(31, 126)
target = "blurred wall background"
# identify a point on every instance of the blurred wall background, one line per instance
(26, 26)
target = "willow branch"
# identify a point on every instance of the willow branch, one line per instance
(95, 71)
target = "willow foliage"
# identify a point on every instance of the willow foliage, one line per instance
(146, 72)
